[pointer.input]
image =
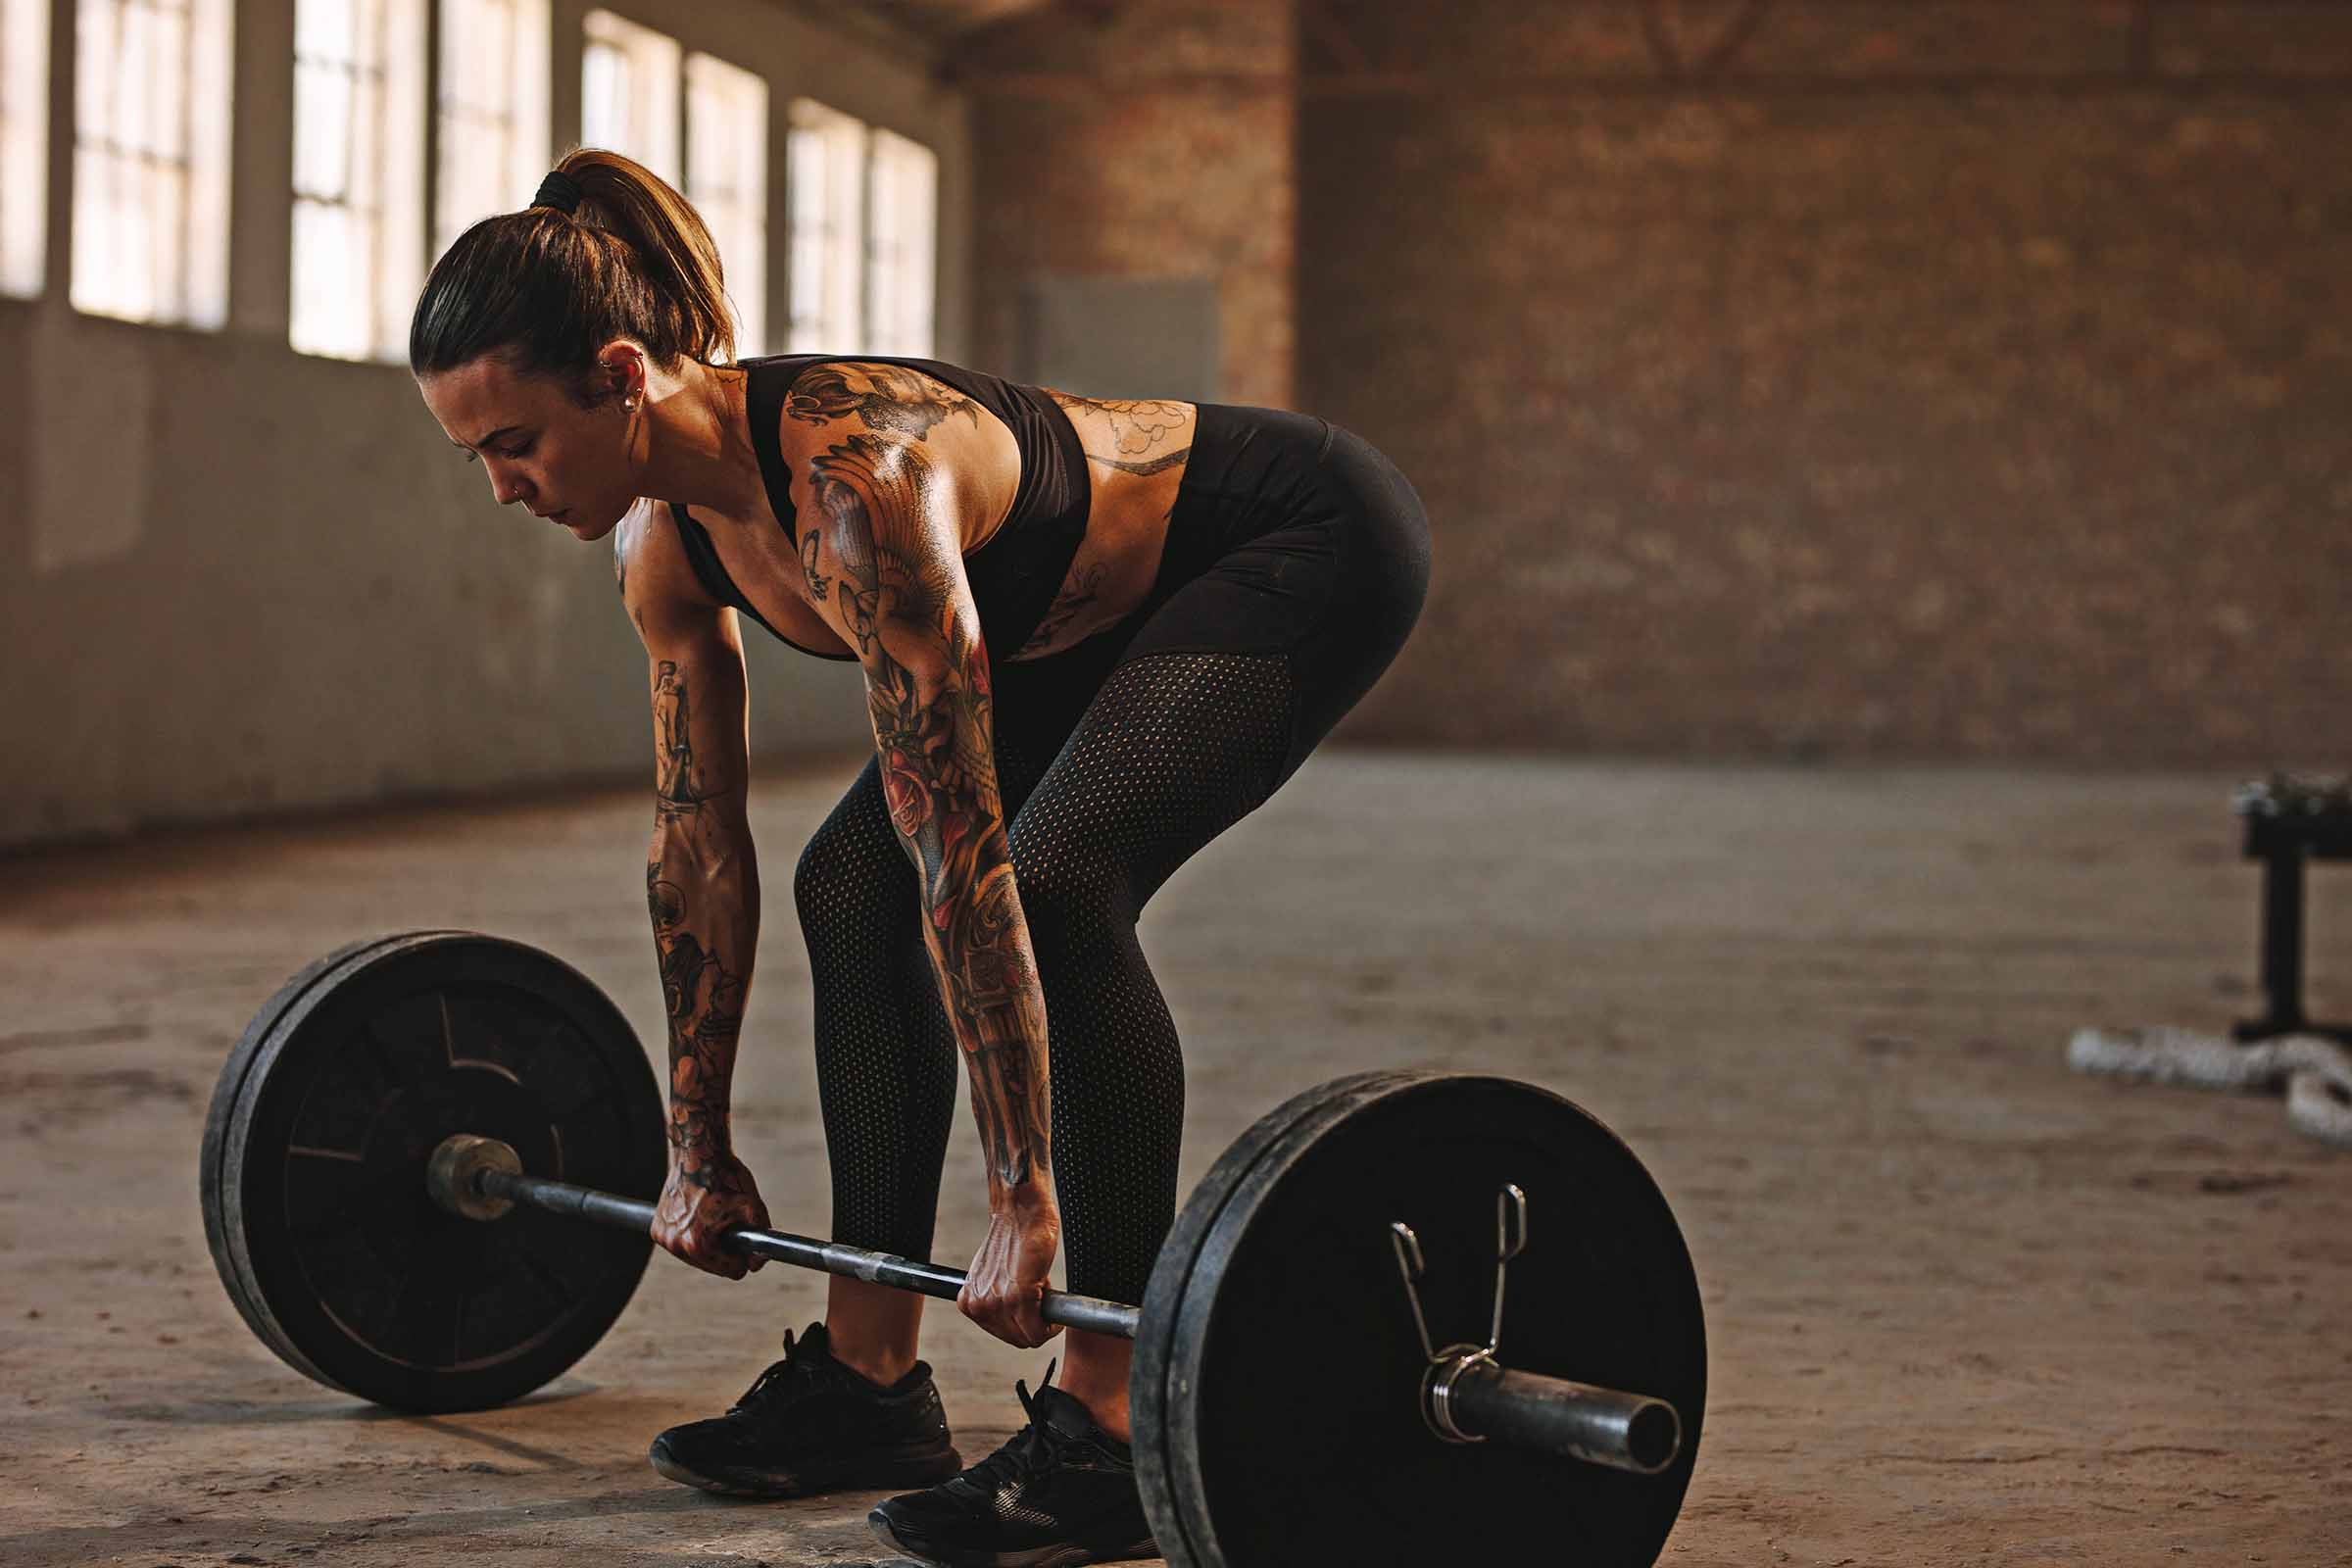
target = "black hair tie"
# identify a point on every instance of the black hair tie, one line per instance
(560, 191)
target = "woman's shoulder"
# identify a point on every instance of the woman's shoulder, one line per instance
(883, 398)
(650, 565)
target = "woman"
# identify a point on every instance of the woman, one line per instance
(1095, 634)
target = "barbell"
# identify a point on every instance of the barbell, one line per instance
(403, 1146)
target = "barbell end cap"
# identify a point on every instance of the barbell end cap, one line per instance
(454, 1175)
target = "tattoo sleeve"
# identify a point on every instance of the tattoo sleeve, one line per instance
(702, 890)
(910, 617)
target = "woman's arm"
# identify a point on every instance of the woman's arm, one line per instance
(702, 886)
(887, 569)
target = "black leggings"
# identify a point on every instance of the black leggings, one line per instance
(1295, 564)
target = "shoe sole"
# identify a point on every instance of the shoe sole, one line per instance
(865, 1473)
(1061, 1554)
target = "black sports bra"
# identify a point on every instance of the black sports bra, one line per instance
(1015, 574)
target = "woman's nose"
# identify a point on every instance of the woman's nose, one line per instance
(509, 488)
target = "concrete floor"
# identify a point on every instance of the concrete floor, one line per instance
(1965, 1308)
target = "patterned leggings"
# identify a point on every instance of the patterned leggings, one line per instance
(1297, 563)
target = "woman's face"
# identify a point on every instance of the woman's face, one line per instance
(564, 463)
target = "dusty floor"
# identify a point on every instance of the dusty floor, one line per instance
(1966, 1307)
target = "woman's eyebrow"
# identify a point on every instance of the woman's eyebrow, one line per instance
(504, 429)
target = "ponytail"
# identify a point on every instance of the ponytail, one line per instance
(549, 287)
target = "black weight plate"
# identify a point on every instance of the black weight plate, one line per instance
(315, 1156)
(1283, 1424)
(1162, 1474)
(242, 1291)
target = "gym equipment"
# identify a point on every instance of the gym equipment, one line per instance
(402, 1147)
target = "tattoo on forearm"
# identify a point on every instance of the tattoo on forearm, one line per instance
(702, 996)
(893, 400)
(703, 999)
(934, 736)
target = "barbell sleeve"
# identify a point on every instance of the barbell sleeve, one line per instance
(1481, 1399)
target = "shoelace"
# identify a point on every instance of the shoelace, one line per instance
(768, 1384)
(1032, 1448)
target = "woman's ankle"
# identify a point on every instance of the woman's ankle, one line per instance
(873, 1330)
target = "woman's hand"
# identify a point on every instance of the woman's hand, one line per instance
(1006, 1291)
(702, 1202)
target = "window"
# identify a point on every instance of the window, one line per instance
(629, 92)
(865, 223)
(825, 163)
(726, 179)
(901, 216)
(359, 175)
(151, 160)
(492, 112)
(631, 80)
(23, 143)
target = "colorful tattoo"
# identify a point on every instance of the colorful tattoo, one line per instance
(929, 697)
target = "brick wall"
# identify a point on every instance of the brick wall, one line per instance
(1930, 380)
(1155, 142)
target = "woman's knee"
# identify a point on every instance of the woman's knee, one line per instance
(1073, 894)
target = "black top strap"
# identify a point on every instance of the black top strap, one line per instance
(769, 382)
(703, 556)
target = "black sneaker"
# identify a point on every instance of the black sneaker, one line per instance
(810, 1424)
(1061, 1492)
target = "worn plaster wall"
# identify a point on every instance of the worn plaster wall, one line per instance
(235, 579)
(1144, 142)
(1931, 380)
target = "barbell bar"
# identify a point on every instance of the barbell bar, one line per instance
(480, 1178)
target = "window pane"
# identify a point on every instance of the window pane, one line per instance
(900, 252)
(23, 144)
(827, 165)
(359, 175)
(323, 120)
(726, 179)
(629, 92)
(493, 110)
(151, 159)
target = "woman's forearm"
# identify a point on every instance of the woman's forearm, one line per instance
(980, 949)
(702, 889)
(933, 729)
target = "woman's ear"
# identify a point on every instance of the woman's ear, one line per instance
(620, 374)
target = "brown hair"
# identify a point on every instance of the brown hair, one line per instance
(548, 288)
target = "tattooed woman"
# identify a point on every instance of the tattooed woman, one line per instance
(1094, 635)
